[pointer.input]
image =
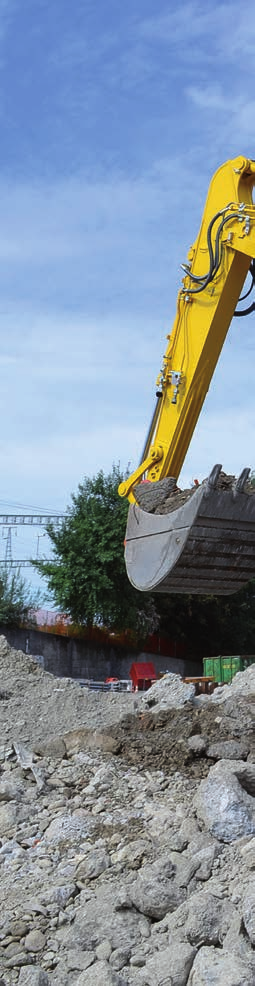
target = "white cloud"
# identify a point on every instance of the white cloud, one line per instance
(209, 97)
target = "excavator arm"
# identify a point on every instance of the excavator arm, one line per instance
(218, 263)
(214, 274)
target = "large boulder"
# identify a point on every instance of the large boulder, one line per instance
(203, 920)
(169, 966)
(156, 890)
(213, 967)
(225, 800)
(249, 912)
(169, 693)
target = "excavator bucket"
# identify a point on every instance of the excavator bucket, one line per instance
(204, 546)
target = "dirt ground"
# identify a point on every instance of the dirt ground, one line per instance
(159, 741)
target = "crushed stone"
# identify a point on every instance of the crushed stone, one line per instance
(113, 870)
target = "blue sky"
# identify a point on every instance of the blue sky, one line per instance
(113, 119)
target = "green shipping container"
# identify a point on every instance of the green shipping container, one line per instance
(224, 669)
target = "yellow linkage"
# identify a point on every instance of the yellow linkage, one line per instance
(214, 275)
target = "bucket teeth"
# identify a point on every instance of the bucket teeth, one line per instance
(242, 479)
(213, 477)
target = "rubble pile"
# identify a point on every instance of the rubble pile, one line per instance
(119, 866)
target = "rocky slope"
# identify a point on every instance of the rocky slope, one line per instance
(127, 829)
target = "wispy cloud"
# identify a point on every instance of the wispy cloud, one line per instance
(228, 29)
(210, 97)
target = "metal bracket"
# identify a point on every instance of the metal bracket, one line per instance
(175, 381)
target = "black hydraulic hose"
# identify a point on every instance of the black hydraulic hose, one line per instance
(243, 296)
(203, 277)
(251, 308)
(218, 250)
(217, 257)
(246, 311)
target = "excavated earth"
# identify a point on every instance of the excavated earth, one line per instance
(127, 832)
(164, 496)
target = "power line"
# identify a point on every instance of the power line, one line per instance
(40, 520)
(18, 562)
(29, 506)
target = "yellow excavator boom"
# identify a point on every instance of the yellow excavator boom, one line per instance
(207, 545)
(218, 263)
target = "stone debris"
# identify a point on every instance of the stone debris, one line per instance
(165, 496)
(131, 862)
(242, 684)
(170, 692)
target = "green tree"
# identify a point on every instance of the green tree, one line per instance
(87, 576)
(17, 600)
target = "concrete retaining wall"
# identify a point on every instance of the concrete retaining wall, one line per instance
(74, 658)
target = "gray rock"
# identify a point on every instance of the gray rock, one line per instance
(197, 743)
(53, 747)
(249, 912)
(169, 692)
(14, 948)
(8, 814)
(98, 920)
(119, 958)
(63, 894)
(133, 854)
(212, 967)
(223, 801)
(93, 865)
(18, 961)
(169, 967)
(68, 827)
(18, 928)
(227, 750)
(35, 905)
(33, 977)
(248, 854)
(202, 920)
(77, 960)
(104, 950)
(35, 941)
(10, 791)
(156, 890)
(99, 975)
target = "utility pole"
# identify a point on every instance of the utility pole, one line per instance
(8, 550)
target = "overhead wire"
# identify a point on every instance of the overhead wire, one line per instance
(29, 506)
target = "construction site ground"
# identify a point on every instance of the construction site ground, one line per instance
(127, 832)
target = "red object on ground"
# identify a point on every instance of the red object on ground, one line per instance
(111, 681)
(142, 675)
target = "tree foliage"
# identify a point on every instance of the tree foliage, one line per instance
(87, 576)
(17, 600)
